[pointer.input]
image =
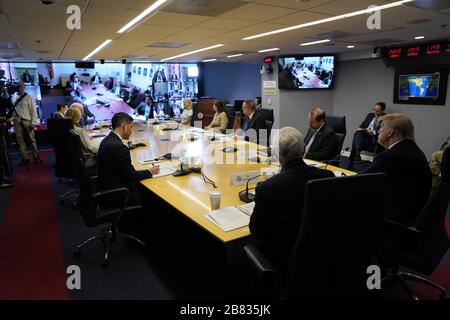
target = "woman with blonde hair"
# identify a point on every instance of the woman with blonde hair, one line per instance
(89, 150)
(187, 114)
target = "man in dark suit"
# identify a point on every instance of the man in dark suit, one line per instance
(279, 200)
(320, 141)
(253, 122)
(365, 137)
(114, 162)
(406, 167)
(61, 109)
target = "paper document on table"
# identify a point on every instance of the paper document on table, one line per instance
(230, 218)
(314, 163)
(165, 168)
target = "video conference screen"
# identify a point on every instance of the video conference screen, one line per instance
(315, 72)
(419, 85)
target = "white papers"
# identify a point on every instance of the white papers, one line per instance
(165, 168)
(314, 163)
(231, 218)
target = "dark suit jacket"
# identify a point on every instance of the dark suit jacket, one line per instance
(278, 209)
(368, 120)
(324, 145)
(409, 180)
(256, 123)
(58, 115)
(114, 166)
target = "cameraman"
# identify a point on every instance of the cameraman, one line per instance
(24, 118)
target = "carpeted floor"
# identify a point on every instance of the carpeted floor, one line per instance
(182, 261)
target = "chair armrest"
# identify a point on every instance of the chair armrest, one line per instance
(259, 260)
(401, 226)
(121, 195)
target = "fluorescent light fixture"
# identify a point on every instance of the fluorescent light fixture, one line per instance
(209, 60)
(350, 47)
(235, 55)
(100, 47)
(342, 16)
(419, 37)
(192, 52)
(155, 6)
(267, 50)
(314, 42)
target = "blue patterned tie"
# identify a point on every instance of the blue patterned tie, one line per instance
(246, 123)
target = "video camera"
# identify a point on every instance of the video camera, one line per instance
(11, 86)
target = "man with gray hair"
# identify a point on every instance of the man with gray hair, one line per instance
(279, 200)
(405, 165)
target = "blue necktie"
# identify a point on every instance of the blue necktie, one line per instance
(246, 123)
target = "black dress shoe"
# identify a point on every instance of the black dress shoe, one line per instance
(37, 160)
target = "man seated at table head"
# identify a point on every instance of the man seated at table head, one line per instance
(115, 169)
(146, 108)
(77, 95)
(96, 78)
(279, 200)
(320, 140)
(365, 137)
(409, 176)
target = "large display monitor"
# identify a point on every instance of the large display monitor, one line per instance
(306, 72)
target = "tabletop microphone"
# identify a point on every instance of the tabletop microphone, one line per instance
(340, 154)
(244, 195)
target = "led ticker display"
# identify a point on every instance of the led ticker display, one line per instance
(431, 54)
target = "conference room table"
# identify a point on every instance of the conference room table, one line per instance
(189, 194)
(96, 93)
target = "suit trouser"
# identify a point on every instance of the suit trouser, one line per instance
(21, 136)
(361, 141)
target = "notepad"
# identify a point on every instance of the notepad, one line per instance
(231, 218)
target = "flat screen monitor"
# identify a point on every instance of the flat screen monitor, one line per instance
(420, 86)
(306, 72)
(85, 65)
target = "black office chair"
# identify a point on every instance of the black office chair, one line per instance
(335, 244)
(89, 204)
(422, 246)
(58, 130)
(231, 115)
(267, 115)
(337, 123)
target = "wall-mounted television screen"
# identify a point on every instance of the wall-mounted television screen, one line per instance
(420, 86)
(85, 65)
(306, 72)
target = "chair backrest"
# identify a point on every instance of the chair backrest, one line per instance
(87, 204)
(231, 114)
(340, 142)
(433, 242)
(267, 115)
(337, 123)
(58, 130)
(337, 237)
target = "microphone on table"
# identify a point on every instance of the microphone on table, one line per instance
(340, 154)
(244, 195)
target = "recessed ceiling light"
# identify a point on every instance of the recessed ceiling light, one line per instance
(419, 37)
(342, 16)
(152, 9)
(314, 42)
(350, 47)
(100, 47)
(209, 60)
(268, 50)
(235, 55)
(192, 52)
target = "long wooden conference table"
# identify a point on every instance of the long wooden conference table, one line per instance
(189, 194)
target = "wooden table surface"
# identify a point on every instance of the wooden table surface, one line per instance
(190, 194)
